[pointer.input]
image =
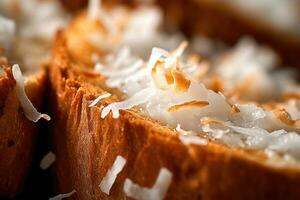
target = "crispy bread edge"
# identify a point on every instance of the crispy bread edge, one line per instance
(17, 133)
(86, 147)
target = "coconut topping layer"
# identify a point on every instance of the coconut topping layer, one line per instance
(112, 28)
(235, 99)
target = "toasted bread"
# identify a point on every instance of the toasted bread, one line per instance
(219, 19)
(223, 20)
(86, 147)
(17, 132)
(24, 43)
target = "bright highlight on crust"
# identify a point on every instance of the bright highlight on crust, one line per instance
(30, 112)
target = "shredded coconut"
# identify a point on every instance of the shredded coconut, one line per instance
(103, 96)
(7, 32)
(47, 160)
(157, 192)
(111, 175)
(30, 112)
(94, 7)
(150, 87)
(62, 196)
(189, 137)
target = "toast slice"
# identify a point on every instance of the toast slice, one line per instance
(25, 43)
(18, 133)
(128, 154)
(229, 21)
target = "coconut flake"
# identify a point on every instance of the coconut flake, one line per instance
(7, 32)
(157, 192)
(111, 175)
(62, 196)
(94, 8)
(103, 96)
(135, 100)
(47, 160)
(30, 112)
(189, 137)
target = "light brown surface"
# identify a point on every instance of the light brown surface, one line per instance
(86, 147)
(17, 133)
(214, 18)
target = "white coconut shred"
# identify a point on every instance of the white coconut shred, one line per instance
(111, 175)
(63, 196)
(122, 25)
(157, 192)
(30, 111)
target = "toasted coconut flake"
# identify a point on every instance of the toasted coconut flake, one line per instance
(157, 192)
(47, 160)
(181, 84)
(62, 196)
(235, 109)
(209, 120)
(187, 105)
(286, 118)
(164, 72)
(111, 175)
(103, 96)
(30, 112)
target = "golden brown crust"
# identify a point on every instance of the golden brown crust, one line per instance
(17, 132)
(86, 147)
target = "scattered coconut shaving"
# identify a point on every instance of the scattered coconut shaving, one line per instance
(157, 192)
(30, 112)
(188, 104)
(94, 8)
(103, 96)
(47, 160)
(62, 196)
(111, 175)
(138, 98)
(189, 137)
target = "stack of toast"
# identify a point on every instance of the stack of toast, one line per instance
(137, 113)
